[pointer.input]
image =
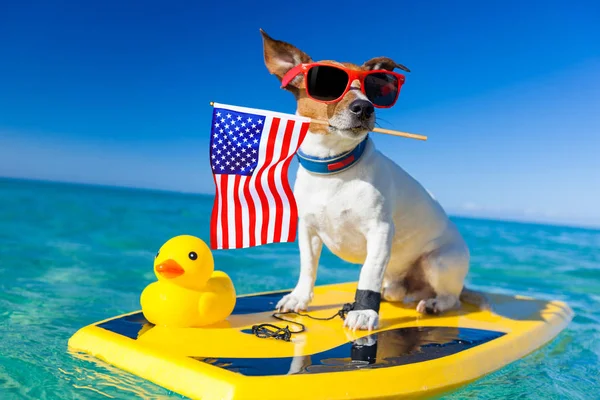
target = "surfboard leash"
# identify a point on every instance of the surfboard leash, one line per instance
(266, 330)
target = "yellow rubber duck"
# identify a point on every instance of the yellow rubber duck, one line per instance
(189, 292)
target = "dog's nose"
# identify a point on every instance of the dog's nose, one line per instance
(362, 108)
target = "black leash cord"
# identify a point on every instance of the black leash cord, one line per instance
(267, 330)
(262, 331)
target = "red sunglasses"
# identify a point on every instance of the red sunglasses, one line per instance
(329, 83)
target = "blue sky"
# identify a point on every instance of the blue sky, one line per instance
(118, 93)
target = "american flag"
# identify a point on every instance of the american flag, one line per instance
(250, 152)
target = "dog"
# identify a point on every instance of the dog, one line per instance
(357, 202)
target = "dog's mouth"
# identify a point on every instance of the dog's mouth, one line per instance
(358, 129)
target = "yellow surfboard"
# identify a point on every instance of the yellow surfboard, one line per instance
(410, 355)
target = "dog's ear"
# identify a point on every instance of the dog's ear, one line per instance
(383, 63)
(280, 57)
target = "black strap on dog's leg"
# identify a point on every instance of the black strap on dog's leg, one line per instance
(363, 300)
(367, 300)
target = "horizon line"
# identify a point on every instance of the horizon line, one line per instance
(455, 213)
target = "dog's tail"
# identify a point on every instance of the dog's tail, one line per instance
(476, 298)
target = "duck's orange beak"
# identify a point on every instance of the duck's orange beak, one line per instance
(170, 269)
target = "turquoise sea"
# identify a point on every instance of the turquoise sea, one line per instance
(71, 255)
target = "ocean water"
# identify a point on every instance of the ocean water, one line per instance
(71, 255)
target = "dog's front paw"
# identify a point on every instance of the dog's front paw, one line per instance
(294, 301)
(362, 319)
(429, 306)
(438, 305)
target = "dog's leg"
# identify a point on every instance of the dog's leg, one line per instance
(445, 269)
(368, 294)
(393, 291)
(310, 245)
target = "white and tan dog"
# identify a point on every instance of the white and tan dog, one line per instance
(372, 213)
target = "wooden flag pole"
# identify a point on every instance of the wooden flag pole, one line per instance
(378, 130)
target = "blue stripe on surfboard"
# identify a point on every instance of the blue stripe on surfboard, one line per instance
(131, 325)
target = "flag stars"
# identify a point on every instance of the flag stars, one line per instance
(235, 140)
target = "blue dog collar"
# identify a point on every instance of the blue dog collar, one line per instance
(335, 164)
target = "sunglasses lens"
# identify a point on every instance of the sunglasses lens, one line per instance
(381, 88)
(326, 83)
